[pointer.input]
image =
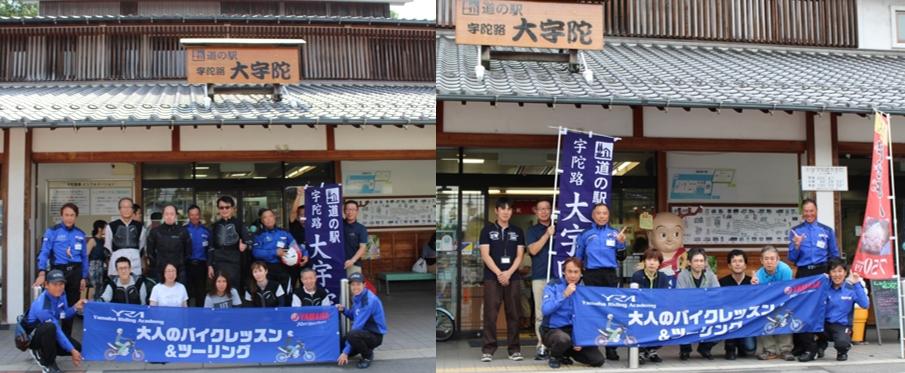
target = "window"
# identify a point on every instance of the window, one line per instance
(898, 27)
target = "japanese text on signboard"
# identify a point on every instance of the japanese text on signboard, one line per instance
(242, 65)
(529, 24)
(324, 234)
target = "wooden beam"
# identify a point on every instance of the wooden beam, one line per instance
(176, 139)
(865, 148)
(29, 246)
(220, 156)
(331, 137)
(662, 182)
(4, 192)
(809, 137)
(626, 144)
(837, 196)
(137, 194)
(637, 121)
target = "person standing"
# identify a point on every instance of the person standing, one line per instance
(650, 277)
(63, 249)
(697, 276)
(811, 245)
(230, 240)
(171, 243)
(738, 264)
(271, 244)
(97, 258)
(538, 240)
(196, 267)
(502, 247)
(773, 270)
(356, 243)
(126, 237)
(599, 247)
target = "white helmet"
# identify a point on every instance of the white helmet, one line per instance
(291, 257)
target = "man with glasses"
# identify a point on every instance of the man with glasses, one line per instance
(126, 237)
(538, 239)
(356, 244)
(230, 241)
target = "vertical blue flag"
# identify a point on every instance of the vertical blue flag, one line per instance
(324, 234)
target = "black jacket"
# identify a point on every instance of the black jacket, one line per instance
(169, 244)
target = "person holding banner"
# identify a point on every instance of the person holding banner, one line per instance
(309, 294)
(559, 314)
(263, 292)
(169, 242)
(126, 237)
(538, 240)
(650, 277)
(601, 247)
(697, 276)
(197, 264)
(502, 246)
(368, 323)
(773, 270)
(64, 249)
(169, 293)
(231, 238)
(43, 321)
(271, 246)
(842, 295)
(738, 264)
(222, 294)
(125, 288)
(356, 243)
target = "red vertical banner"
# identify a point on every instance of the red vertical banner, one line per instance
(874, 257)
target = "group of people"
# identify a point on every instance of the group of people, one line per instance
(599, 249)
(179, 265)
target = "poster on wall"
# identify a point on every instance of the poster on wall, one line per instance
(365, 183)
(398, 212)
(702, 184)
(95, 198)
(737, 225)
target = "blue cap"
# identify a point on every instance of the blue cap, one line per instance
(55, 275)
(357, 276)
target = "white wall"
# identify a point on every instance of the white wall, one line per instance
(728, 124)
(384, 138)
(59, 171)
(277, 137)
(14, 207)
(759, 177)
(409, 178)
(534, 118)
(875, 26)
(107, 139)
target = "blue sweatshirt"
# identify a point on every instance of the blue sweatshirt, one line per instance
(37, 314)
(268, 241)
(597, 247)
(557, 309)
(66, 245)
(366, 313)
(200, 241)
(783, 273)
(840, 302)
(818, 245)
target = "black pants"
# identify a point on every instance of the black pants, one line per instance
(279, 273)
(802, 341)
(559, 343)
(364, 342)
(295, 273)
(702, 347)
(233, 272)
(840, 334)
(44, 340)
(73, 273)
(602, 277)
(197, 284)
(510, 297)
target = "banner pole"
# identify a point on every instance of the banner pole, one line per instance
(554, 214)
(895, 226)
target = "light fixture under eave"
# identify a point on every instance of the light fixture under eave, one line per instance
(200, 176)
(465, 160)
(623, 168)
(202, 167)
(523, 192)
(299, 171)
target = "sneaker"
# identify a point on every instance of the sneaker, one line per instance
(821, 353)
(654, 357)
(541, 353)
(553, 363)
(842, 356)
(565, 360)
(516, 356)
(766, 356)
(364, 363)
(486, 358)
(54, 368)
(788, 356)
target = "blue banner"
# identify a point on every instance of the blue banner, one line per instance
(124, 332)
(324, 234)
(586, 164)
(656, 317)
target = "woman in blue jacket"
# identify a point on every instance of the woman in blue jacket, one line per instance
(840, 300)
(559, 313)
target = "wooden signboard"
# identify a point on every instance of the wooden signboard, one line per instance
(529, 24)
(242, 64)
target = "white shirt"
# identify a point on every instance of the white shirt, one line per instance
(166, 296)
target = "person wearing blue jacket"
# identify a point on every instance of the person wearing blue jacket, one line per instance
(601, 247)
(841, 297)
(43, 323)
(368, 323)
(64, 248)
(271, 243)
(559, 314)
(196, 268)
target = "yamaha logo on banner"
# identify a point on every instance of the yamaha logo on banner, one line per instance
(324, 234)
(585, 166)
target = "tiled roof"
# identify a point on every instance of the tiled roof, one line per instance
(148, 103)
(672, 74)
(233, 19)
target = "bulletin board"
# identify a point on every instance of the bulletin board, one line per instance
(396, 212)
(737, 225)
(96, 199)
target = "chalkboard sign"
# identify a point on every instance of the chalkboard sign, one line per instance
(715, 225)
(885, 300)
